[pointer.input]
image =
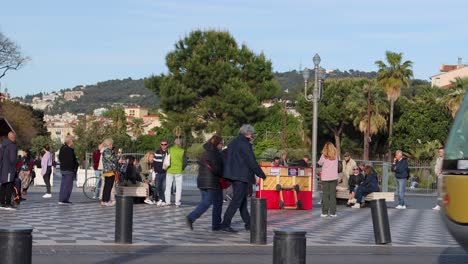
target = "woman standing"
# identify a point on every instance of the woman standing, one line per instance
(145, 169)
(46, 169)
(109, 164)
(208, 181)
(329, 176)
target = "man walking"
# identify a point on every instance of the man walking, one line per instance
(160, 179)
(400, 167)
(68, 167)
(8, 152)
(438, 173)
(241, 168)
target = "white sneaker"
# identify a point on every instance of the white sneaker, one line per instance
(323, 215)
(148, 201)
(353, 200)
(47, 195)
(437, 208)
(356, 205)
(400, 207)
(333, 215)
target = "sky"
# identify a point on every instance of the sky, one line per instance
(83, 42)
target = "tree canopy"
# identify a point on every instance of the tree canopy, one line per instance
(213, 83)
(10, 56)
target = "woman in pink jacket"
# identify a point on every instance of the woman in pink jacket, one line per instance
(329, 176)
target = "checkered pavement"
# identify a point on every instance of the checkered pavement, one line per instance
(86, 222)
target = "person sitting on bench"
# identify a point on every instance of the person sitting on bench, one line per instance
(369, 185)
(354, 181)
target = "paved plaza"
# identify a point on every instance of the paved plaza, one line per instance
(86, 226)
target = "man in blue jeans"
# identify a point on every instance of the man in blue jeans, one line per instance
(400, 167)
(160, 174)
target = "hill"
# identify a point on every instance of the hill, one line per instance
(133, 92)
(104, 94)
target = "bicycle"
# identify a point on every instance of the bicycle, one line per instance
(91, 187)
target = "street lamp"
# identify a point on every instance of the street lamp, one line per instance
(314, 97)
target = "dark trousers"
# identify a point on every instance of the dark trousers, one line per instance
(329, 197)
(239, 201)
(108, 184)
(361, 192)
(209, 197)
(47, 178)
(161, 185)
(5, 193)
(66, 186)
(17, 183)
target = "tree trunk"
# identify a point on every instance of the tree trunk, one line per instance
(338, 143)
(367, 133)
(390, 131)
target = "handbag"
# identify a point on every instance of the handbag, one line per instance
(166, 161)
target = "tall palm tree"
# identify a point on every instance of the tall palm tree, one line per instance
(371, 116)
(393, 76)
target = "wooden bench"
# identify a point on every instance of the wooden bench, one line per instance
(388, 196)
(131, 191)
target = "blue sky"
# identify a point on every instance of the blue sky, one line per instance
(84, 42)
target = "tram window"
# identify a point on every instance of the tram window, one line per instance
(457, 145)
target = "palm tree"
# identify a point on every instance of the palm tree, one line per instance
(393, 76)
(453, 99)
(372, 118)
(137, 127)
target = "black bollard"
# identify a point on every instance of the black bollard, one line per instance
(380, 221)
(123, 219)
(258, 221)
(289, 246)
(15, 245)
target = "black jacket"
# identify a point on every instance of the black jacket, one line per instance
(210, 168)
(371, 183)
(7, 161)
(241, 164)
(401, 169)
(67, 158)
(355, 179)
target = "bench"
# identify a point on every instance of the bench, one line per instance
(131, 191)
(388, 196)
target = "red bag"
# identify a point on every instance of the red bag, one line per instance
(224, 183)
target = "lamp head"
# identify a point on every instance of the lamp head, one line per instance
(306, 74)
(316, 59)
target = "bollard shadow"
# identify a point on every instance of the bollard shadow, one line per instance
(453, 255)
(131, 256)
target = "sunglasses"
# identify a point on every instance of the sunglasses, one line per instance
(163, 144)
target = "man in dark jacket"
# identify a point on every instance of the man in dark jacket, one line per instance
(160, 174)
(241, 168)
(7, 170)
(400, 167)
(68, 167)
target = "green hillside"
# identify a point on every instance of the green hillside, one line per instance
(117, 92)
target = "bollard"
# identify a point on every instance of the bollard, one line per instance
(123, 219)
(15, 245)
(289, 246)
(380, 221)
(258, 221)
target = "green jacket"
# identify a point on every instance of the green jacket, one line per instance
(178, 160)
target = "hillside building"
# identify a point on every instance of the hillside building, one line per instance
(449, 73)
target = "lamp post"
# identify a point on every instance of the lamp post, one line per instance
(314, 97)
